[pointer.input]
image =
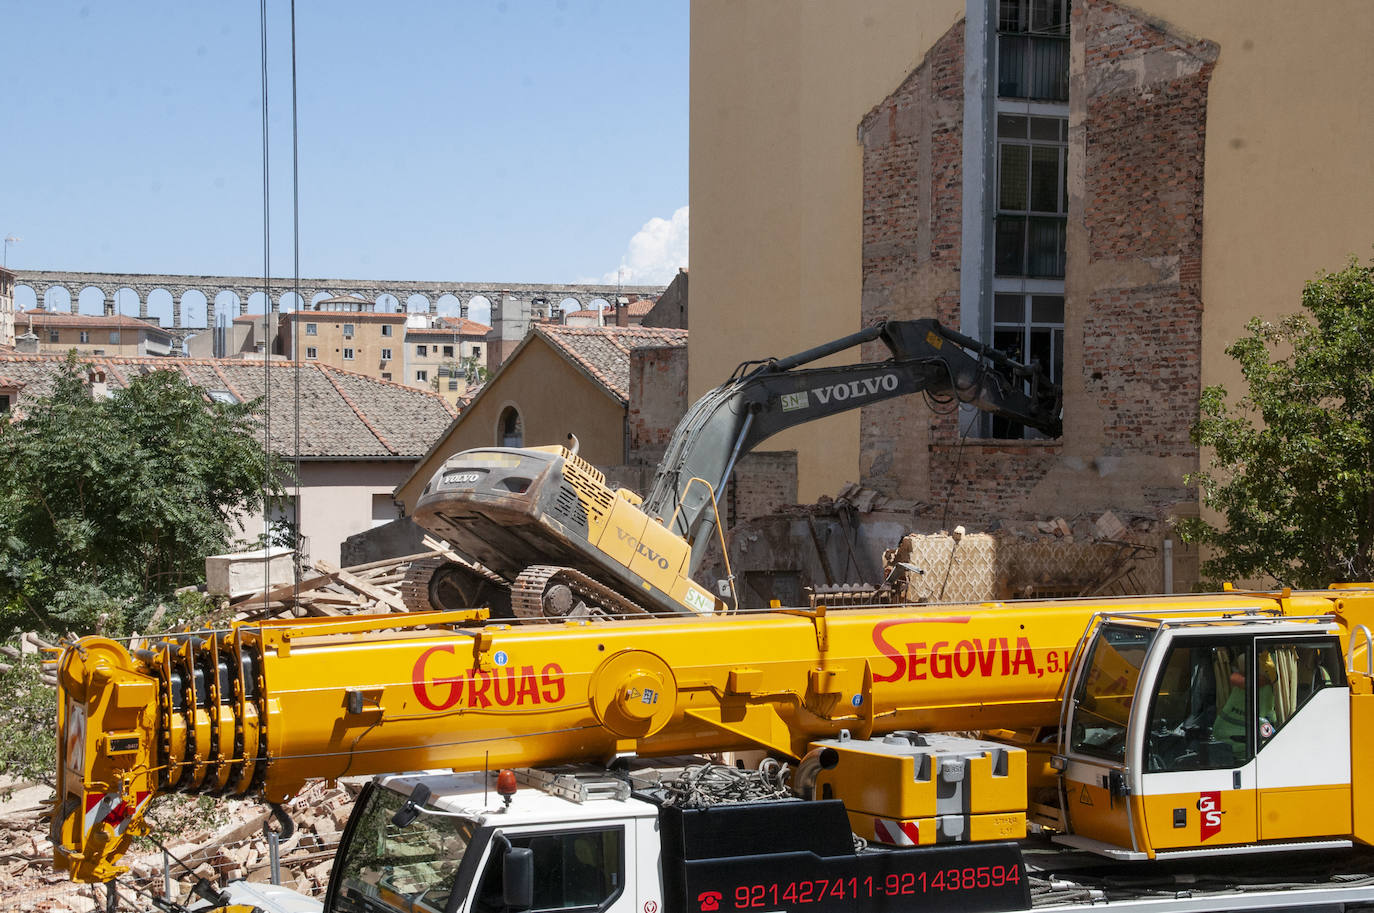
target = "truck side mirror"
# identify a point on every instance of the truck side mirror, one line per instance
(517, 883)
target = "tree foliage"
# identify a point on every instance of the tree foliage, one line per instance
(111, 504)
(1292, 471)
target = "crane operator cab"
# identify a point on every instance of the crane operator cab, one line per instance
(1190, 735)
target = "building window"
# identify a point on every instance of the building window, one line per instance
(4, 403)
(114, 337)
(422, 375)
(85, 336)
(348, 330)
(477, 352)
(511, 428)
(1033, 49)
(52, 336)
(448, 351)
(312, 329)
(453, 384)
(421, 351)
(1032, 195)
(348, 355)
(311, 352)
(1028, 327)
(386, 375)
(386, 329)
(386, 355)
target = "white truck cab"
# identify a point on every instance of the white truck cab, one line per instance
(578, 841)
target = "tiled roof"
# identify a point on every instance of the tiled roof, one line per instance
(447, 326)
(342, 414)
(604, 352)
(41, 317)
(8, 382)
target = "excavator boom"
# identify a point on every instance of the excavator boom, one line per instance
(542, 521)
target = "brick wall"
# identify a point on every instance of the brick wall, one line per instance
(1143, 141)
(658, 399)
(764, 482)
(1138, 109)
(912, 179)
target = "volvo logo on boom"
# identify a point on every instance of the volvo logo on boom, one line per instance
(841, 392)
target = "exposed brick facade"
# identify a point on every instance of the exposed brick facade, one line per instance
(1138, 108)
(1143, 141)
(912, 149)
(658, 399)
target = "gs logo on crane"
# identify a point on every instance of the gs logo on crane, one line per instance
(476, 689)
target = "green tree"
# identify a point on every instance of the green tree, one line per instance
(111, 504)
(1292, 467)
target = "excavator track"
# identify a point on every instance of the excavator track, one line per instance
(440, 583)
(545, 592)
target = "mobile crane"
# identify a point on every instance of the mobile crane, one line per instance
(548, 538)
(1169, 733)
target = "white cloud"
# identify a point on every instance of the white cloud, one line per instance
(654, 254)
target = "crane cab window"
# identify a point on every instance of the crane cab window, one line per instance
(1219, 702)
(1107, 691)
(573, 870)
(386, 866)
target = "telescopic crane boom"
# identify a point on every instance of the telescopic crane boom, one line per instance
(263, 707)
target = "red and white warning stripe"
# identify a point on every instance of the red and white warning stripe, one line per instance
(113, 809)
(896, 833)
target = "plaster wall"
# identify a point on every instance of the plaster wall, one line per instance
(335, 502)
(779, 89)
(777, 92)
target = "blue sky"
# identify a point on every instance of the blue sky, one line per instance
(519, 141)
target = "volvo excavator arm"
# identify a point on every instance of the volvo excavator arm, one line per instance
(765, 398)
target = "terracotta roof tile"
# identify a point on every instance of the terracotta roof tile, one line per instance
(43, 318)
(604, 352)
(341, 414)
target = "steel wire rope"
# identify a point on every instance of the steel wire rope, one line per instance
(267, 304)
(295, 325)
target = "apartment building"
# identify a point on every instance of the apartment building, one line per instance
(445, 354)
(348, 333)
(113, 335)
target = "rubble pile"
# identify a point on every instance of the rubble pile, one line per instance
(365, 588)
(222, 843)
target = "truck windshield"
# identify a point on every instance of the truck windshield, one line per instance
(1102, 706)
(386, 868)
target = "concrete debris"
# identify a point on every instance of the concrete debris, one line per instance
(236, 848)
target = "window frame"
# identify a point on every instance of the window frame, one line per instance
(348, 353)
(312, 329)
(349, 330)
(386, 355)
(311, 353)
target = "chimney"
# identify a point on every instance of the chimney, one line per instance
(26, 344)
(622, 312)
(99, 389)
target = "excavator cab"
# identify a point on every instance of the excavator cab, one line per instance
(1190, 735)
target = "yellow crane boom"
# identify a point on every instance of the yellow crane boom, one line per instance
(260, 708)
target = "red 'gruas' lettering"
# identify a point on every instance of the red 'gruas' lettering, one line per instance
(504, 687)
(920, 660)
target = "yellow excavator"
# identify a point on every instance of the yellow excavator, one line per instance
(546, 538)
